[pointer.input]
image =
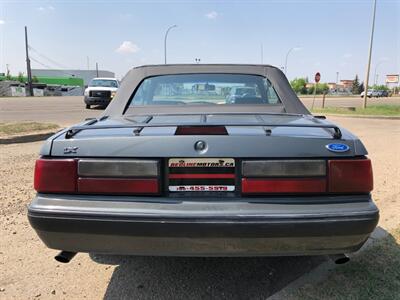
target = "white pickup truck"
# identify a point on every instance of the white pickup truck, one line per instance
(100, 91)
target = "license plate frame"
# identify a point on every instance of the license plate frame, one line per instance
(201, 175)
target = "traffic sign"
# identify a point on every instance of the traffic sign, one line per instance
(317, 77)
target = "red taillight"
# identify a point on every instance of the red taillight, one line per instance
(201, 130)
(350, 176)
(55, 176)
(343, 176)
(118, 186)
(294, 185)
(61, 176)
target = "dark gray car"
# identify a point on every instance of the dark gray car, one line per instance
(174, 168)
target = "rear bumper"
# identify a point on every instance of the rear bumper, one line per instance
(97, 100)
(196, 228)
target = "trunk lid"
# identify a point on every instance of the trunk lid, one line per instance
(245, 138)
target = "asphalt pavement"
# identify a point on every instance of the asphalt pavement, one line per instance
(64, 111)
(69, 110)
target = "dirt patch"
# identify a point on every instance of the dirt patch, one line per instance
(382, 140)
(374, 274)
(27, 270)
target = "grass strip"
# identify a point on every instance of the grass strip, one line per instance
(373, 110)
(25, 127)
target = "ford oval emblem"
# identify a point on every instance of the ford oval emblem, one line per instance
(337, 147)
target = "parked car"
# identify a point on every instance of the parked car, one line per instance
(100, 91)
(382, 93)
(370, 93)
(376, 93)
(167, 170)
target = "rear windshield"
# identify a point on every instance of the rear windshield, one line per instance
(198, 89)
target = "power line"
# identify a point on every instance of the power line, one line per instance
(40, 63)
(47, 58)
(47, 66)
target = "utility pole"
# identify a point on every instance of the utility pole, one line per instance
(262, 53)
(28, 64)
(97, 69)
(165, 42)
(87, 62)
(369, 55)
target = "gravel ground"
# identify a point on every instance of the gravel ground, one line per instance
(27, 270)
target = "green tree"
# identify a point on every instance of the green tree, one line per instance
(20, 77)
(299, 85)
(35, 79)
(361, 88)
(356, 86)
(381, 87)
(322, 88)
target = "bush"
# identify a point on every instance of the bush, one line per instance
(321, 89)
(20, 77)
(299, 85)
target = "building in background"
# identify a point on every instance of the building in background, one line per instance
(86, 75)
(346, 83)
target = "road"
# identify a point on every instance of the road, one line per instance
(69, 110)
(60, 110)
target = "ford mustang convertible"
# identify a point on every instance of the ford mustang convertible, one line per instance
(177, 166)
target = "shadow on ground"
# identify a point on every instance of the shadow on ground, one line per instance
(373, 273)
(138, 277)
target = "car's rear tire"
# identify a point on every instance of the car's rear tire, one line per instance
(87, 106)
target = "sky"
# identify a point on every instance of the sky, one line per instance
(329, 36)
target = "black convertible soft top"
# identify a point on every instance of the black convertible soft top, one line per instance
(290, 102)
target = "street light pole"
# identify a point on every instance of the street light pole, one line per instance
(287, 55)
(290, 50)
(337, 82)
(369, 55)
(262, 53)
(165, 42)
(375, 72)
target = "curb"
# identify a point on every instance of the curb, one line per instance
(27, 138)
(322, 271)
(362, 116)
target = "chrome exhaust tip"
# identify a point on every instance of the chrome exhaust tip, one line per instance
(340, 259)
(64, 256)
